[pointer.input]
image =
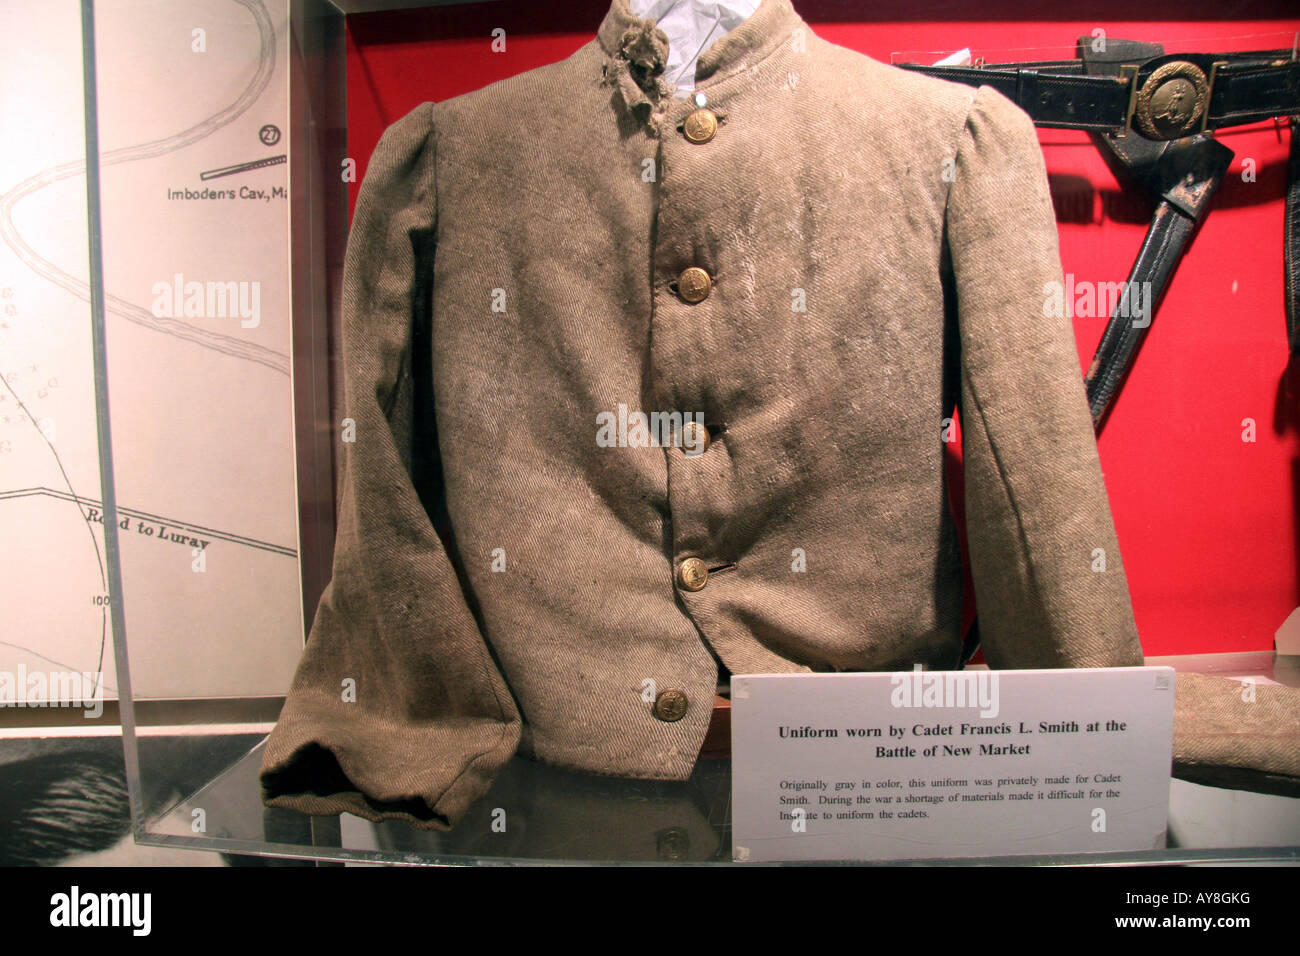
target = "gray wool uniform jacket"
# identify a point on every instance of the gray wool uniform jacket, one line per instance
(810, 272)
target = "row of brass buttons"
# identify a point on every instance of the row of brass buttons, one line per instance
(693, 285)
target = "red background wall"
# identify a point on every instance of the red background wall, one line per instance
(1207, 523)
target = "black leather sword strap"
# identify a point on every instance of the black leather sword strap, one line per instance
(1161, 97)
(1292, 240)
(1165, 240)
(1185, 174)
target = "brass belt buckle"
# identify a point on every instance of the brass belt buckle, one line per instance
(1174, 101)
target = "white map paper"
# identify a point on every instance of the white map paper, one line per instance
(201, 397)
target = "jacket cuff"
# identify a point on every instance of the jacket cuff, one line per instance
(1228, 733)
(325, 758)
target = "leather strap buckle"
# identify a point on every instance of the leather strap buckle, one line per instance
(1174, 100)
(1128, 73)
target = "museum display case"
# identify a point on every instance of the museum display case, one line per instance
(485, 392)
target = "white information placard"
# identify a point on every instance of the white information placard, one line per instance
(929, 764)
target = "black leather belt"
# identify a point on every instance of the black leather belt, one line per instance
(1167, 96)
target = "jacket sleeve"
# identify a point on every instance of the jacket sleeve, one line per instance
(397, 709)
(1049, 583)
(1037, 516)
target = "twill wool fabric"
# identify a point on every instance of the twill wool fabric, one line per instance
(876, 246)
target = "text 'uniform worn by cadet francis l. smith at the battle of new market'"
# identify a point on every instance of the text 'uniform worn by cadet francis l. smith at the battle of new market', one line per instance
(811, 260)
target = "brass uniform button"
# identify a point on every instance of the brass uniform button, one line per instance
(700, 126)
(671, 705)
(695, 439)
(692, 575)
(694, 284)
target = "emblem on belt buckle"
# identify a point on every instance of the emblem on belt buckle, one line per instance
(1172, 101)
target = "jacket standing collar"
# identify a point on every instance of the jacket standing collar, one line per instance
(639, 49)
